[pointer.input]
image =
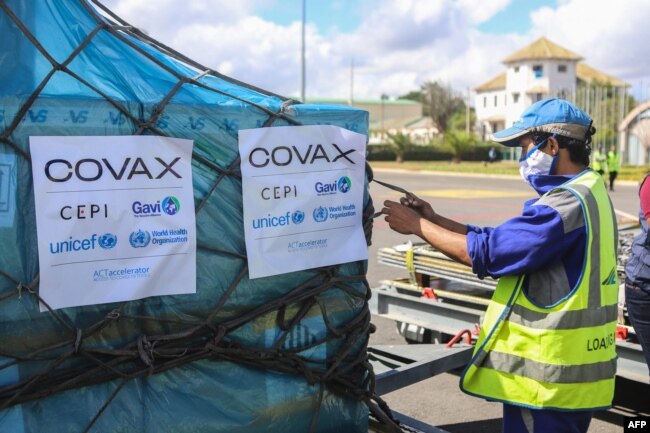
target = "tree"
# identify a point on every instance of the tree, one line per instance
(459, 142)
(399, 143)
(606, 105)
(458, 120)
(440, 102)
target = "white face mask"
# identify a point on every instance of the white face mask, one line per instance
(536, 162)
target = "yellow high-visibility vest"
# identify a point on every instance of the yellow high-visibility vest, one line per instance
(561, 356)
(613, 161)
(599, 161)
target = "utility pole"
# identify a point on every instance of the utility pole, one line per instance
(302, 57)
(383, 130)
(467, 113)
(351, 99)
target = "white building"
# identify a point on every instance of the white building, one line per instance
(541, 70)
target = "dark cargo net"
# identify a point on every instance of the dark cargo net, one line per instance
(73, 363)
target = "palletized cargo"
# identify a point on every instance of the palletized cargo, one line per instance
(283, 353)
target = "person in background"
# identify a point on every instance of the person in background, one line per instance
(613, 165)
(637, 275)
(492, 154)
(557, 292)
(600, 160)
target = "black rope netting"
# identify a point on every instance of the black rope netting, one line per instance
(165, 342)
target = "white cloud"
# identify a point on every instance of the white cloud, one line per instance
(398, 45)
(165, 18)
(479, 11)
(255, 51)
(611, 37)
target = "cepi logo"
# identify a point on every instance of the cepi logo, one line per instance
(343, 184)
(320, 214)
(83, 211)
(139, 239)
(169, 205)
(297, 217)
(105, 241)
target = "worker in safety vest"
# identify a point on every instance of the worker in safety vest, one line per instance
(600, 160)
(613, 165)
(546, 347)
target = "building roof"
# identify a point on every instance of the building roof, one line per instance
(496, 83)
(537, 89)
(396, 123)
(342, 101)
(588, 75)
(542, 49)
(497, 118)
(424, 122)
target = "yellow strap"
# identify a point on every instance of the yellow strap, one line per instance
(410, 266)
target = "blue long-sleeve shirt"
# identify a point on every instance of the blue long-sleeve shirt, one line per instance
(536, 239)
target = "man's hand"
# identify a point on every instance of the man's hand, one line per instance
(401, 218)
(423, 208)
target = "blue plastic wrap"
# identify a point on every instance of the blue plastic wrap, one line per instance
(202, 396)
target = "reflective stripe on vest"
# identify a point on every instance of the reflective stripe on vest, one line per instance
(550, 373)
(560, 356)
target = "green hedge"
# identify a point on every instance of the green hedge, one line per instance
(382, 152)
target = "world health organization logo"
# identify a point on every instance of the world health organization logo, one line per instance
(107, 241)
(297, 217)
(140, 239)
(171, 205)
(320, 214)
(344, 184)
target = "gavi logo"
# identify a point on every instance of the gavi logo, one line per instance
(343, 185)
(169, 205)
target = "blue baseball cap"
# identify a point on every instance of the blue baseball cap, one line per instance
(555, 116)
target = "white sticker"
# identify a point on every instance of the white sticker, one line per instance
(115, 218)
(303, 197)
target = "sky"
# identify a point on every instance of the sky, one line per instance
(372, 47)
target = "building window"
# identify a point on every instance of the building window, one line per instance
(561, 68)
(515, 97)
(516, 69)
(496, 100)
(484, 101)
(538, 70)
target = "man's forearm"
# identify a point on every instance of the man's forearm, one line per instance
(452, 243)
(449, 224)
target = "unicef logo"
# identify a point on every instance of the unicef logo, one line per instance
(320, 214)
(107, 241)
(139, 239)
(171, 205)
(297, 217)
(344, 184)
